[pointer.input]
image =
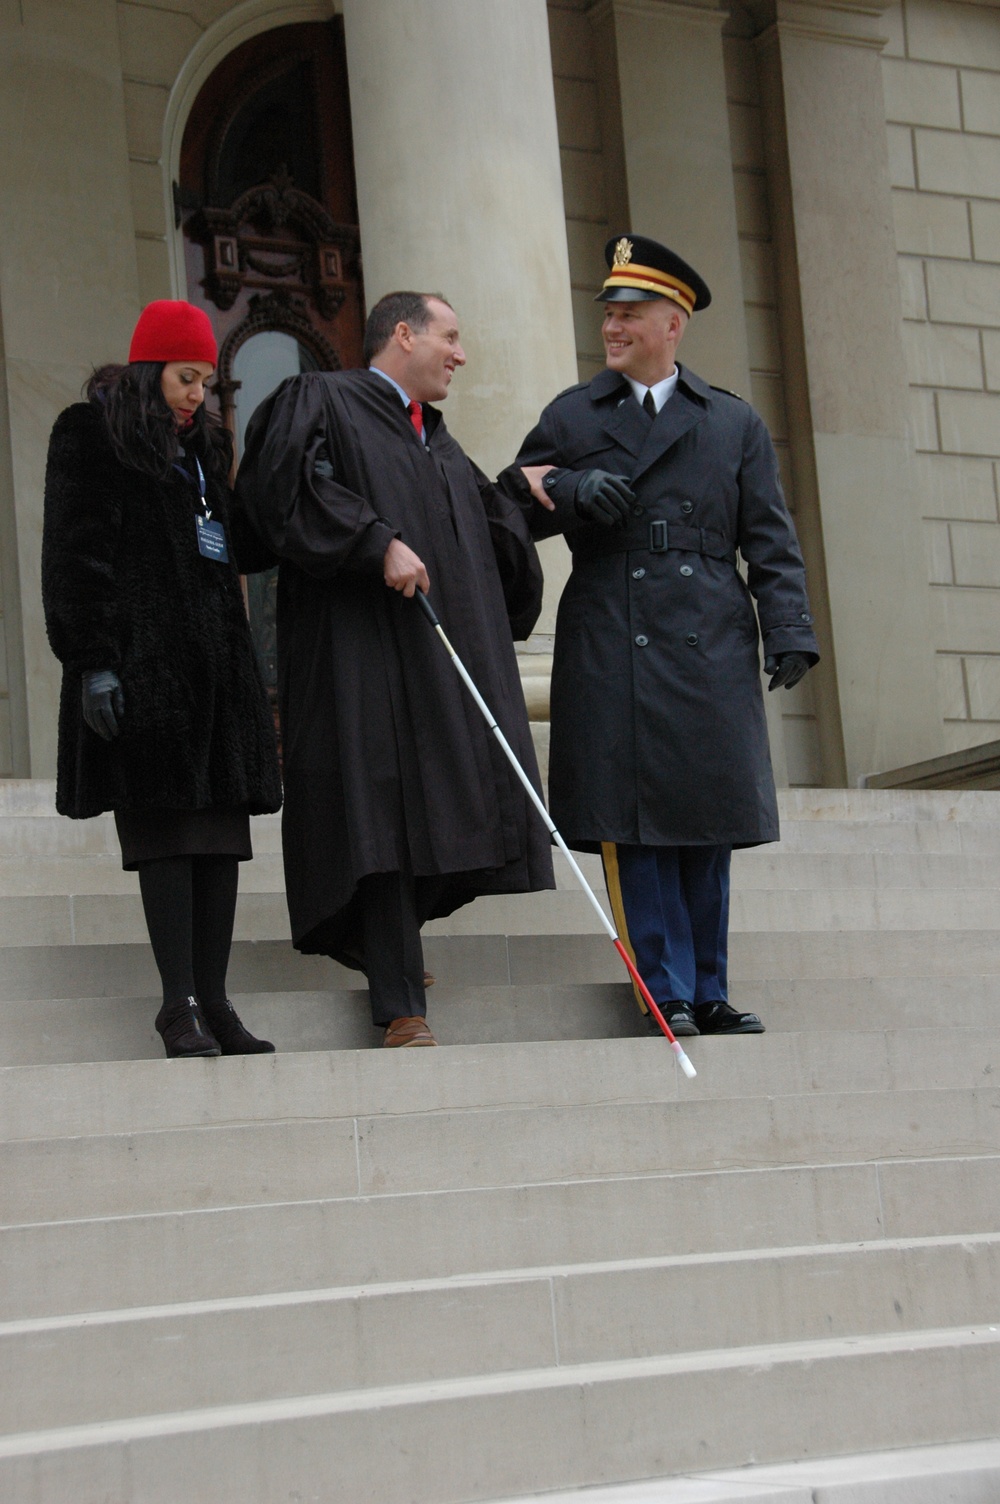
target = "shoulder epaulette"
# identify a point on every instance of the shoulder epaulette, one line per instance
(581, 386)
(728, 393)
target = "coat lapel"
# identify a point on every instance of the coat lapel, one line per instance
(686, 408)
(624, 421)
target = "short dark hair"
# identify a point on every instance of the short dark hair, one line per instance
(396, 308)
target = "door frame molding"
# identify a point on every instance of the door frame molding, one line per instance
(216, 42)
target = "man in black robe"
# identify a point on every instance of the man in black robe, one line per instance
(399, 803)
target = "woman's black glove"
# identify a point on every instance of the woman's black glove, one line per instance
(103, 703)
(787, 669)
(603, 498)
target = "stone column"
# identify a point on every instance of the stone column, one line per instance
(460, 191)
(68, 294)
(669, 163)
(663, 78)
(828, 178)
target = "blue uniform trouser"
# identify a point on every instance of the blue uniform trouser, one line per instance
(671, 908)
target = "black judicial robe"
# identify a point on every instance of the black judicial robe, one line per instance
(388, 762)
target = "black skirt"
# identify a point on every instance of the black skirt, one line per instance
(149, 835)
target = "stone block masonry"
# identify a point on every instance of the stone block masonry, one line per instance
(941, 73)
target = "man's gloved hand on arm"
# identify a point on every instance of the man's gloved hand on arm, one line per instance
(103, 703)
(603, 498)
(786, 669)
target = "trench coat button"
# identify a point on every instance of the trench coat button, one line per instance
(806, 616)
(641, 641)
(638, 510)
(686, 570)
(687, 506)
(692, 639)
(638, 574)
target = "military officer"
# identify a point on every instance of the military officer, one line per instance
(659, 751)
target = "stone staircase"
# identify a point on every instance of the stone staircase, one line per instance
(536, 1260)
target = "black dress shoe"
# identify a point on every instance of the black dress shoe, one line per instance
(681, 1019)
(225, 1024)
(719, 1018)
(182, 1027)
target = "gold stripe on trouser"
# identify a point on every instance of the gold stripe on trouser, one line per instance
(609, 856)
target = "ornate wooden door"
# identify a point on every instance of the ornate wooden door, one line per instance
(268, 207)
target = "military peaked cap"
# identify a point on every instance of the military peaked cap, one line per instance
(640, 269)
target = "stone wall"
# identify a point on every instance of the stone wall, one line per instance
(581, 146)
(760, 292)
(942, 91)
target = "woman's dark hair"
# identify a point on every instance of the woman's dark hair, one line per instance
(141, 426)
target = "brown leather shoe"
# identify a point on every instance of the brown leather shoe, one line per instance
(405, 1033)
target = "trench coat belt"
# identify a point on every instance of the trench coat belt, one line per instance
(661, 537)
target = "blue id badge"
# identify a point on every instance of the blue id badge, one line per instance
(211, 540)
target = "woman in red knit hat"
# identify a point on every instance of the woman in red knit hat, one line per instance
(163, 715)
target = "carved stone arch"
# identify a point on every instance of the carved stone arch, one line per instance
(278, 312)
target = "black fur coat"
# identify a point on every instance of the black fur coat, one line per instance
(125, 588)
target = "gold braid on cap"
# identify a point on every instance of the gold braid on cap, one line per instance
(628, 274)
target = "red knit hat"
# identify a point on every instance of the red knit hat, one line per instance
(172, 330)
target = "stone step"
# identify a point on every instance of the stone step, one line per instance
(763, 869)
(51, 836)
(109, 1366)
(538, 1428)
(36, 797)
(188, 1169)
(77, 971)
(783, 870)
(69, 1101)
(958, 1473)
(69, 1030)
(41, 836)
(115, 1263)
(117, 918)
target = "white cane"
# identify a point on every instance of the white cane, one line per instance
(682, 1059)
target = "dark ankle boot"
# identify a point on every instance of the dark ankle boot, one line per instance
(182, 1027)
(234, 1039)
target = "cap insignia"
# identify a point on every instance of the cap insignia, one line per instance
(623, 252)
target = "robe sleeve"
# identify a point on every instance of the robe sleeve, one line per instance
(517, 558)
(288, 490)
(766, 536)
(80, 534)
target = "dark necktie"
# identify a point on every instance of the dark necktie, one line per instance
(649, 405)
(416, 412)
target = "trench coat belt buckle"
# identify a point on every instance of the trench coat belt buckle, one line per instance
(693, 540)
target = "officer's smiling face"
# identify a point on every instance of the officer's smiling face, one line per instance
(640, 338)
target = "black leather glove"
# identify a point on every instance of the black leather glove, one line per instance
(603, 498)
(787, 669)
(103, 703)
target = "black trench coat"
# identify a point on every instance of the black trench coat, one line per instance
(658, 728)
(388, 763)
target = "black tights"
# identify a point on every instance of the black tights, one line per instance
(190, 908)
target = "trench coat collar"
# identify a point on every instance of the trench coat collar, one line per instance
(625, 422)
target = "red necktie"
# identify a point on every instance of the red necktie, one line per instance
(416, 412)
